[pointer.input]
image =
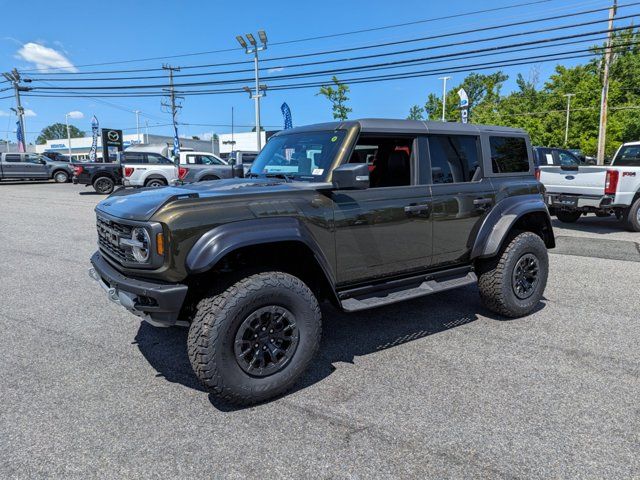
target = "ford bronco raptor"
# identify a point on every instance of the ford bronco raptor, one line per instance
(358, 213)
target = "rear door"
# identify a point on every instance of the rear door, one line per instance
(462, 195)
(13, 166)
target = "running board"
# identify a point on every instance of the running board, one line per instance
(427, 287)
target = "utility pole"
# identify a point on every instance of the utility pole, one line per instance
(444, 96)
(566, 128)
(14, 78)
(602, 131)
(66, 119)
(173, 107)
(137, 112)
(257, 94)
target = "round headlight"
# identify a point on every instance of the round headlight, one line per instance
(141, 249)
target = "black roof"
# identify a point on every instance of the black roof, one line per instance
(385, 125)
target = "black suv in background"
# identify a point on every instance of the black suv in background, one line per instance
(360, 213)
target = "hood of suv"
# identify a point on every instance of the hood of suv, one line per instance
(140, 204)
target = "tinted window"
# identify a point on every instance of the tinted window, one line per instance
(567, 159)
(509, 155)
(454, 158)
(133, 157)
(12, 158)
(388, 159)
(157, 159)
(629, 156)
(34, 158)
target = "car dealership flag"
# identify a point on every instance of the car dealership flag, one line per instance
(20, 136)
(464, 105)
(286, 113)
(95, 128)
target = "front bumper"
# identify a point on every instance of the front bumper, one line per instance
(157, 303)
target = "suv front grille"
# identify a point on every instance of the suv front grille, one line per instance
(109, 235)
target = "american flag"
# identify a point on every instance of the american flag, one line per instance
(20, 136)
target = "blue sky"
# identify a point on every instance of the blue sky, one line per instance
(115, 31)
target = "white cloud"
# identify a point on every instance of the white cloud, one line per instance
(276, 69)
(29, 113)
(4, 114)
(45, 58)
(76, 114)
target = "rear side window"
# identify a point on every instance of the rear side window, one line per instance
(454, 158)
(131, 157)
(158, 159)
(509, 155)
(12, 158)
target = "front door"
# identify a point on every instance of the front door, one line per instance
(35, 166)
(385, 229)
(461, 196)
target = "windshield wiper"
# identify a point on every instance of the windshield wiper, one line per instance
(284, 176)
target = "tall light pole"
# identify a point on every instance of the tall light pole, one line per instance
(566, 128)
(254, 48)
(66, 117)
(444, 96)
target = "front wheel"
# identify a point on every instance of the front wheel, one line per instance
(61, 177)
(254, 340)
(568, 216)
(631, 217)
(512, 283)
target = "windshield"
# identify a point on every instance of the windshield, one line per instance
(301, 156)
(628, 156)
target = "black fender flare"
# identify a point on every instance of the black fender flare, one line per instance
(224, 239)
(503, 216)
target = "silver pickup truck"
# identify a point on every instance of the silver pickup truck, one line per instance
(573, 190)
(32, 166)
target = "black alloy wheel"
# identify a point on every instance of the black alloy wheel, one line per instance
(266, 341)
(525, 276)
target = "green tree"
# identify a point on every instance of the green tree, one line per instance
(416, 113)
(338, 98)
(57, 131)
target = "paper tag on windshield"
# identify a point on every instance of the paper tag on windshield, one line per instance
(549, 158)
(317, 171)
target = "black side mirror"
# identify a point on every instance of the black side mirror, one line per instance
(569, 168)
(351, 176)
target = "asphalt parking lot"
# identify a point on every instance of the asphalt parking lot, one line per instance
(433, 388)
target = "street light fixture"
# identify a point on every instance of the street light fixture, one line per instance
(257, 94)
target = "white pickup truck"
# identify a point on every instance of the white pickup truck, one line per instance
(573, 190)
(147, 169)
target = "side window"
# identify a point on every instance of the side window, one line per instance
(509, 155)
(157, 159)
(454, 158)
(208, 160)
(567, 159)
(388, 158)
(32, 158)
(134, 157)
(191, 159)
(12, 158)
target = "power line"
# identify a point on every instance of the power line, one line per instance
(379, 45)
(447, 17)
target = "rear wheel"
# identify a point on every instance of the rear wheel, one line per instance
(512, 283)
(104, 185)
(254, 340)
(155, 182)
(61, 176)
(631, 217)
(568, 216)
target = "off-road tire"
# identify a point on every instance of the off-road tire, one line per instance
(495, 276)
(155, 183)
(61, 176)
(104, 185)
(631, 217)
(568, 216)
(218, 318)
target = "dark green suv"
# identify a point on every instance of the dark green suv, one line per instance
(360, 213)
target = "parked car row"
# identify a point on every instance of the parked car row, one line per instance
(573, 189)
